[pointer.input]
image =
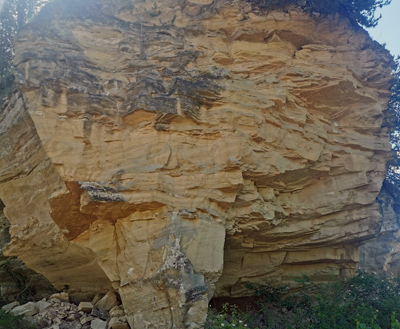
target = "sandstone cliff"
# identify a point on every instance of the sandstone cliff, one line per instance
(176, 150)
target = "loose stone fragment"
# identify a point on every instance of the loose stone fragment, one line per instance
(86, 307)
(118, 323)
(26, 309)
(86, 319)
(62, 296)
(96, 298)
(117, 311)
(10, 306)
(107, 302)
(98, 324)
(42, 305)
(104, 315)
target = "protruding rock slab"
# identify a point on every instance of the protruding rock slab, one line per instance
(26, 309)
(170, 142)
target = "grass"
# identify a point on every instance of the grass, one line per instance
(362, 302)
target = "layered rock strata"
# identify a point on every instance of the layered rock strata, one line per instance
(17, 281)
(177, 150)
(28, 180)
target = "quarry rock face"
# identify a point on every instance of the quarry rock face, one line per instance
(173, 151)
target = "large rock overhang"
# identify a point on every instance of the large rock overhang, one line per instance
(178, 150)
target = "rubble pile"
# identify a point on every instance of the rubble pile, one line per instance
(58, 312)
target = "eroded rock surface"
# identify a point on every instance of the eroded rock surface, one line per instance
(28, 180)
(17, 281)
(176, 150)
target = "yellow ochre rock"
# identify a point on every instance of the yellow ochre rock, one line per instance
(176, 150)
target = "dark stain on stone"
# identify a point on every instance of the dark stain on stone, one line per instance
(195, 293)
(185, 98)
(103, 193)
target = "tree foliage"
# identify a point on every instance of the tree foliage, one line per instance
(357, 11)
(392, 181)
(365, 301)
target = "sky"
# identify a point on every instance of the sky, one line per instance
(388, 28)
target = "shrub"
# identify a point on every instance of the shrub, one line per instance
(8, 321)
(364, 301)
(357, 11)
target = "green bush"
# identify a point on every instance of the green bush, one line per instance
(8, 321)
(364, 301)
(357, 11)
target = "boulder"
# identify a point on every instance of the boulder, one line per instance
(178, 155)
